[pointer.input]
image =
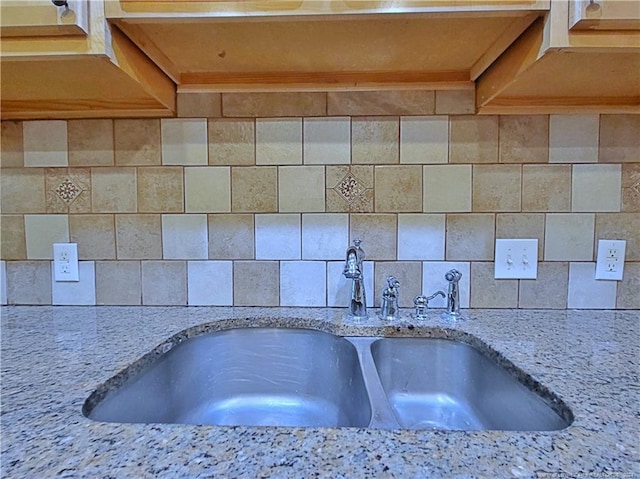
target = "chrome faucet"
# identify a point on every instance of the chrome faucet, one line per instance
(389, 309)
(353, 269)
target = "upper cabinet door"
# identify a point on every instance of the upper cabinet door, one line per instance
(604, 15)
(40, 18)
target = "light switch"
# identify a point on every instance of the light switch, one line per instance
(516, 259)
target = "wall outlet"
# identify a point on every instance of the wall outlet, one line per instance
(65, 262)
(610, 260)
(516, 259)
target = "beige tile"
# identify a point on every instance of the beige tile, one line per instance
(378, 233)
(199, 105)
(68, 190)
(137, 142)
(210, 283)
(95, 235)
(569, 237)
(398, 189)
(496, 188)
(91, 143)
(255, 283)
(12, 240)
(619, 139)
(447, 188)
(455, 102)
(185, 237)
(278, 237)
(375, 140)
(232, 142)
(184, 141)
(470, 237)
(274, 104)
(41, 231)
(596, 188)
(474, 139)
(301, 189)
(231, 236)
(254, 189)
(279, 141)
(349, 189)
(160, 189)
(76, 293)
(22, 190)
(402, 102)
(487, 292)
(327, 141)
(29, 282)
(521, 225)
(629, 288)
(408, 274)
(207, 189)
(118, 283)
(421, 237)
(586, 292)
(546, 188)
(164, 283)
(549, 290)
(424, 139)
(524, 139)
(12, 151)
(624, 226)
(114, 190)
(631, 187)
(45, 143)
(324, 236)
(139, 236)
(573, 138)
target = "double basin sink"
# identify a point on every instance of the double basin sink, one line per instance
(308, 378)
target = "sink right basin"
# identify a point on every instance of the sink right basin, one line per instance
(445, 384)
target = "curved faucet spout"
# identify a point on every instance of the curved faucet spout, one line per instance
(353, 269)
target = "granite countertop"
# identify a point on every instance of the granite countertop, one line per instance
(53, 358)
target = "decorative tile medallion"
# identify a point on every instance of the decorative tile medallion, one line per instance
(350, 188)
(636, 188)
(67, 191)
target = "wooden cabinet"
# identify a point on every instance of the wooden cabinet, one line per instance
(69, 74)
(614, 15)
(38, 18)
(312, 45)
(554, 68)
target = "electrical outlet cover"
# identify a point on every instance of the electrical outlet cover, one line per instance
(516, 259)
(610, 259)
(65, 262)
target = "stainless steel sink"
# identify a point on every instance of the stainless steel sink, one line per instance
(307, 378)
(444, 384)
(252, 377)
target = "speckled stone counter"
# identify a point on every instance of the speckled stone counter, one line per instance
(53, 358)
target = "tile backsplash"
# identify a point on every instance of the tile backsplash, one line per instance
(256, 203)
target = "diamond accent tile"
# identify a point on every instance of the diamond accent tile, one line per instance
(68, 191)
(636, 187)
(350, 188)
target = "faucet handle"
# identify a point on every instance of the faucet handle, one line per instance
(422, 303)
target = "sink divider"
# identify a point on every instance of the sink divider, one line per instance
(382, 415)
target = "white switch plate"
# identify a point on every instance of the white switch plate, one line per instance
(516, 259)
(610, 260)
(65, 262)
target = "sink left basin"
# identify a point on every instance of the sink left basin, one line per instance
(249, 377)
